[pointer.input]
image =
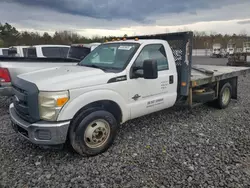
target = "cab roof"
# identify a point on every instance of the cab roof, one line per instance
(50, 45)
(139, 41)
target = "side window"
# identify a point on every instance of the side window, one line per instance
(154, 52)
(31, 52)
(5, 52)
(51, 51)
(64, 51)
(25, 52)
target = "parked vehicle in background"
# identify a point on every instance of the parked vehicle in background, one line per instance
(217, 51)
(118, 81)
(17, 51)
(10, 67)
(80, 51)
(246, 47)
(55, 51)
(240, 58)
(3, 51)
(231, 49)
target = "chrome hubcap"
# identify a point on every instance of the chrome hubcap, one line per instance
(226, 96)
(97, 133)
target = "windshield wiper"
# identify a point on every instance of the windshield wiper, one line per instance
(94, 66)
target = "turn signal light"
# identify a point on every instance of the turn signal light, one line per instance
(61, 101)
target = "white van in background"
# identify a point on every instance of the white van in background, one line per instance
(48, 51)
(3, 51)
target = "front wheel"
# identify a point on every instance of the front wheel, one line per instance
(93, 134)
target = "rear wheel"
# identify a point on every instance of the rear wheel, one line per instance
(94, 133)
(224, 96)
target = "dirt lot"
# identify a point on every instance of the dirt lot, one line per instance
(202, 147)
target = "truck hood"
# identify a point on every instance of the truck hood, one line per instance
(66, 77)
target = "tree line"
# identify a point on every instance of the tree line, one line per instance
(10, 36)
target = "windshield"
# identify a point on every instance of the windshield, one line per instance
(111, 55)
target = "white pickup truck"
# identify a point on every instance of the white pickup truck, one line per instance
(48, 50)
(10, 67)
(118, 81)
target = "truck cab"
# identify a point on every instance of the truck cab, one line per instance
(119, 76)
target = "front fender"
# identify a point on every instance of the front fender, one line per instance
(75, 104)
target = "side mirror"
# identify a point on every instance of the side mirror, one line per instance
(150, 69)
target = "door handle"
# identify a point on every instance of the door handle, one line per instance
(171, 79)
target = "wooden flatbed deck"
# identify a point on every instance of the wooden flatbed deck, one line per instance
(204, 74)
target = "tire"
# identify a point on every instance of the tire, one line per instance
(94, 133)
(225, 95)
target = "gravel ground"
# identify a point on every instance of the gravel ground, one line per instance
(204, 147)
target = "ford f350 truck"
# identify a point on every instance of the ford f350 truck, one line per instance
(118, 81)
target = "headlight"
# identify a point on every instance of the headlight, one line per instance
(50, 104)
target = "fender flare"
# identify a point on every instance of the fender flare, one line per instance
(76, 104)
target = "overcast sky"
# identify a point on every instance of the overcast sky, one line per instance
(119, 17)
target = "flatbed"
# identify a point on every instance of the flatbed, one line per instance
(205, 74)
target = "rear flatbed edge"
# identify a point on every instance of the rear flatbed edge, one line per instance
(199, 78)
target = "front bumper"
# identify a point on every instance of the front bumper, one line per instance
(42, 132)
(6, 89)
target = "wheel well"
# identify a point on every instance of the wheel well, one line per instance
(108, 105)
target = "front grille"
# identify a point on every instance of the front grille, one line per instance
(26, 100)
(21, 104)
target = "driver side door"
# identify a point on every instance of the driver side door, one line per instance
(151, 95)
